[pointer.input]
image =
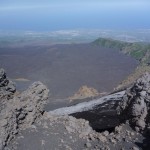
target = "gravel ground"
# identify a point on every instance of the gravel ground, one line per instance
(69, 133)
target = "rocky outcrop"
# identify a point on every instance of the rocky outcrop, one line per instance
(21, 111)
(5, 84)
(135, 105)
(7, 89)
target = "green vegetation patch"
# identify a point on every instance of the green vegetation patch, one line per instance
(137, 50)
(137, 54)
(110, 43)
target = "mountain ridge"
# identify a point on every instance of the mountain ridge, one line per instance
(138, 50)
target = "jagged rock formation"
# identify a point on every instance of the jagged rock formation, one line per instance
(20, 111)
(7, 89)
(6, 86)
(135, 105)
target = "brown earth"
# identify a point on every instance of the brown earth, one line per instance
(84, 92)
(64, 68)
(137, 73)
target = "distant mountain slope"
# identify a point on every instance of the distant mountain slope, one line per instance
(138, 50)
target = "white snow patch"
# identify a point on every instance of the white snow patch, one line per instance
(85, 106)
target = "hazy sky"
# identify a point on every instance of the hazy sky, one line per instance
(46, 15)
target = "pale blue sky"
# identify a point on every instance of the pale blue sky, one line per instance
(46, 15)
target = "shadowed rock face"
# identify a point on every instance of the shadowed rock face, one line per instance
(6, 86)
(20, 111)
(135, 105)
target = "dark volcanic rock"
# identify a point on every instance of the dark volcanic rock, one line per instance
(102, 117)
(5, 83)
(135, 105)
(7, 89)
(20, 111)
(69, 133)
(23, 114)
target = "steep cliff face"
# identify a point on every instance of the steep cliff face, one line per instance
(135, 105)
(19, 112)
